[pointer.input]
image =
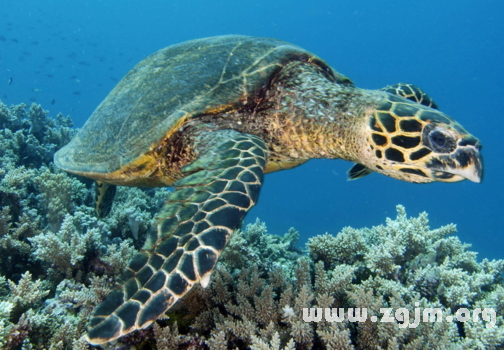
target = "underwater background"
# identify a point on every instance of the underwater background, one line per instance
(67, 56)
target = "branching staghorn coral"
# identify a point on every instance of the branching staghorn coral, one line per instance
(433, 271)
(266, 251)
(133, 212)
(29, 137)
(26, 291)
(65, 250)
(48, 232)
(59, 194)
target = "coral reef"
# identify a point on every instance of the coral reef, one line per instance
(403, 265)
(59, 261)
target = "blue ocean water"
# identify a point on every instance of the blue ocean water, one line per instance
(67, 55)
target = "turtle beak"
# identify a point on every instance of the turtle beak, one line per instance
(470, 163)
(465, 163)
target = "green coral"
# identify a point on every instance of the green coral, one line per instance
(26, 292)
(65, 250)
(133, 212)
(29, 137)
(58, 260)
(266, 251)
(71, 193)
(250, 307)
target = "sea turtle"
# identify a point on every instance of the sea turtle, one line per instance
(210, 117)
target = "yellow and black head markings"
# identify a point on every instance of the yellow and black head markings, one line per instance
(210, 117)
(418, 144)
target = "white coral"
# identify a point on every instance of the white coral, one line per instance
(26, 291)
(65, 249)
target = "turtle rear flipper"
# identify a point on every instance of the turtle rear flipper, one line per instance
(104, 197)
(193, 229)
(357, 171)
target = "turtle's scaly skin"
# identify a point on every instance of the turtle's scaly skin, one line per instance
(210, 117)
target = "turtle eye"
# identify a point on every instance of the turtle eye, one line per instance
(438, 138)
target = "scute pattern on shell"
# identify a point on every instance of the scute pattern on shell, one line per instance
(208, 75)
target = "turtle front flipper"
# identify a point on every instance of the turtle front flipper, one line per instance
(104, 197)
(193, 229)
(411, 92)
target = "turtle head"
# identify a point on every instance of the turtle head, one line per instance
(415, 143)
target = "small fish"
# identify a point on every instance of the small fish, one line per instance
(33, 99)
(34, 42)
(10, 81)
(53, 101)
(49, 75)
(73, 77)
(36, 90)
(77, 93)
(2, 38)
(14, 40)
(49, 58)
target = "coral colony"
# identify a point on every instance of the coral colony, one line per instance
(59, 261)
